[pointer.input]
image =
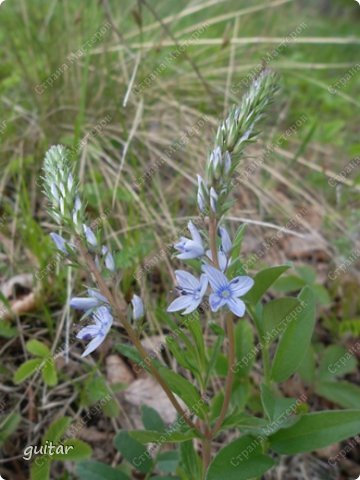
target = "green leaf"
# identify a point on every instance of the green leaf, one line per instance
(322, 294)
(164, 478)
(242, 459)
(316, 430)
(185, 390)
(56, 430)
(37, 348)
(74, 449)
(345, 394)
(336, 361)
(93, 470)
(27, 369)
(245, 422)
(307, 367)
(8, 426)
(275, 313)
(6, 330)
(151, 419)
(48, 372)
(97, 392)
(131, 353)
(40, 468)
(308, 274)
(195, 329)
(167, 462)
(244, 343)
(190, 461)
(296, 339)
(134, 452)
(215, 351)
(183, 356)
(290, 283)
(276, 406)
(263, 281)
(152, 436)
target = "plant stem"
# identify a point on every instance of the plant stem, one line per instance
(120, 310)
(230, 375)
(206, 450)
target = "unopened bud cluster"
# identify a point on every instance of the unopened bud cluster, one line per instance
(61, 189)
(233, 135)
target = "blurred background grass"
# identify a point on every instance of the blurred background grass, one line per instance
(61, 81)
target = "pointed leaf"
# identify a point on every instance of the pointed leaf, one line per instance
(134, 452)
(93, 470)
(316, 430)
(263, 281)
(27, 369)
(241, 459)
(296, 339)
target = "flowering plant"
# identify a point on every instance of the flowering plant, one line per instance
(219, 296)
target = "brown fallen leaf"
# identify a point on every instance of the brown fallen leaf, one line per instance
(146, 391)
(117, 371)
(21, 294)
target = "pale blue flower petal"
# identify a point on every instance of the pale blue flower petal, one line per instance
(104, 316)
(186, 280)
(84, 303)
(189, 249)
(213, 199)
(90, 235)
(194, 305)
(237, 306)
(88, 332)
(138, 307)
(195, 233)
(226, 242)
(216, 302)
(98, 295)
(241, 285)
(180, 303)
(203, 284)
(216, 278)
(109, 262)
(59, 242)
(93, 345)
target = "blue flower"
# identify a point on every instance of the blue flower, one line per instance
(202, 193)
(227, 162)
(222, 259)
(227, 292)
(191, 292)
(213, 199)
(138, 307)
(60, 243)
(190, 248)
(109, 259)
(96, 332)
(224, 250)
(215, 158)
(226, 243)
(95, 299)
(90, 236)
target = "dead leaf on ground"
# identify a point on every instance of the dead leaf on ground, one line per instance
(21, 294)
(146, 391)
(117, 371)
